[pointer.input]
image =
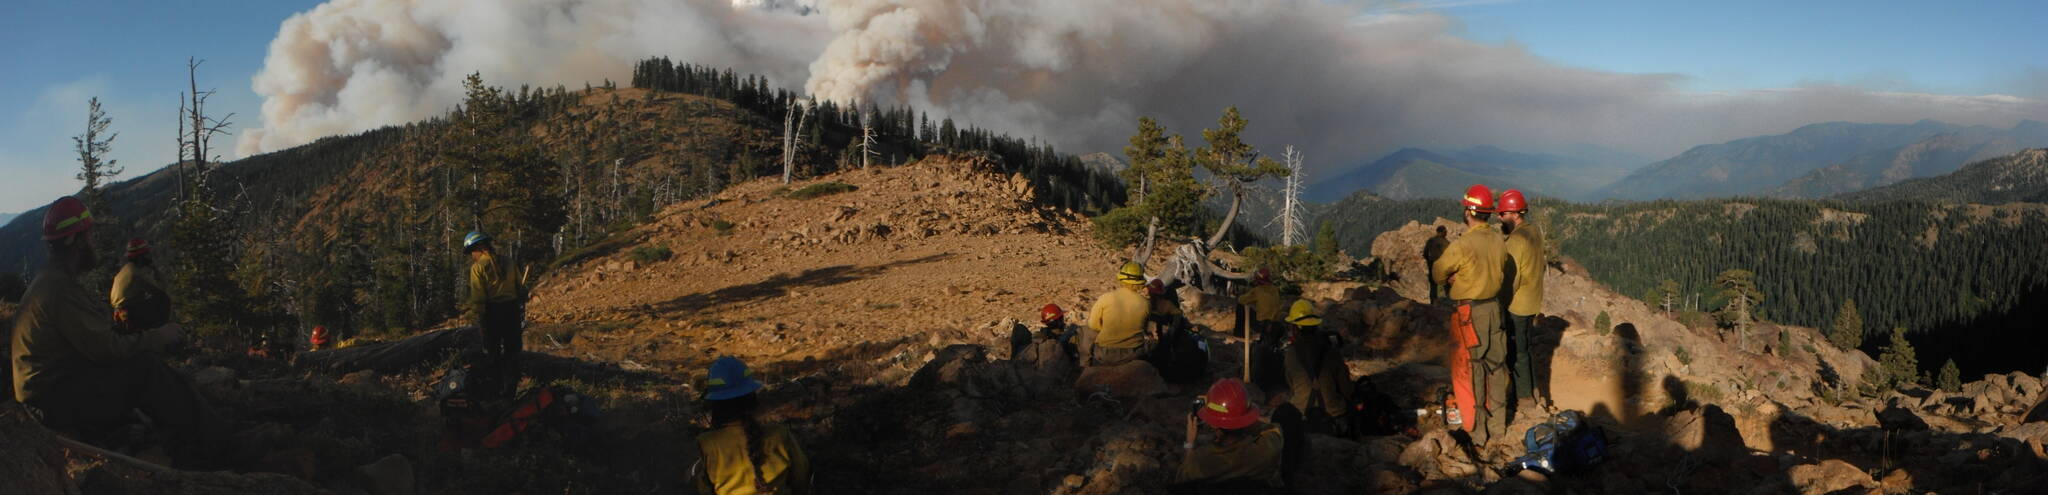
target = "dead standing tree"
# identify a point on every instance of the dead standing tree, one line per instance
(792, 137)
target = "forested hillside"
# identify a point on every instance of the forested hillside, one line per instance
(1922, 266)
(2020, 176)
(361, 233)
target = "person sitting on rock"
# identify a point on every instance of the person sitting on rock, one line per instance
(1180, 354)
(741, 455)
(1315, 365)
(80, 375)
(1052, 333)
(1116, 324)
(1244, 455)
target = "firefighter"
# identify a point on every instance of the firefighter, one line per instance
(1116, 324)
(138, 296)
(1243, 456)
(1315, 365)
(79, 375)
(1472, 265)
(1521, 287)
(494, 307)
(1431, 250)
(741, 454)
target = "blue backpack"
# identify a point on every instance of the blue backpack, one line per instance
(1565, 444)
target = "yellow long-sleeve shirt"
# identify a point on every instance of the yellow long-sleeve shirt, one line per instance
(1525, 282)
(784, 469)
(489, 282)
(1119, 318)
(1264, 301)
(1472, 264)
(1256, 458)
(139, 294)
(61, 333)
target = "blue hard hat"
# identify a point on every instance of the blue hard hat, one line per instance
(729, 379)
(470, 241)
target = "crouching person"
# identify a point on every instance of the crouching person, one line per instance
(1244, 456)
(741, 455)
(79, 375)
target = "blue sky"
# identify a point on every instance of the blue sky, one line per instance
(132, 53)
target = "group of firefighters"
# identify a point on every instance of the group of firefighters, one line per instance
(83, 367)
(1487, 275)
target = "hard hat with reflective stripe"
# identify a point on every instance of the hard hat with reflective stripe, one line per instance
(1303, 313)
(1051, 313)
(729, 378)
(1228, 406)
(470, 241)
(1479, 198)
(137, 247)
(65, 218)
(1132, 273)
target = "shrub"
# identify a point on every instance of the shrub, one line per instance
(1684, 357)
(723, 227)
(1291, 263)
(1603, 323)
(1951, 378)
(1120, 227)
(650, 254)
(822, 189)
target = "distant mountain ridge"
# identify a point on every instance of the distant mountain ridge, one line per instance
(2016, 178)
(1820, 160)
(1410, 173)
(7, 217)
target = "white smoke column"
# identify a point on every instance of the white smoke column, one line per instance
(1343, 83)
(353, 65)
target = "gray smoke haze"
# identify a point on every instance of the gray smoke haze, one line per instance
(1339, 81)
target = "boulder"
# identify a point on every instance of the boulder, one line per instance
(392, 475)
(1897, 482)
(31, 464)
(1829, 476)
(1706, 431)
(948, 366)
(1135, 379)
(215, 379)
(1438, 456)
(1899, 418)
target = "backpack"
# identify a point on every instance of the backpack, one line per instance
(1373, 413)
(1565, 444)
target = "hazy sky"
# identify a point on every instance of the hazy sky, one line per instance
(132, 53)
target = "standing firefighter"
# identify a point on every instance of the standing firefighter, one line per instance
(1264, 308)
(1522, 286)
(1432, 250)
(1472, 265)
(139, 299)
(1116, 324)
(741, 455)
(77, 373)
(494, 307)
(1315, 365)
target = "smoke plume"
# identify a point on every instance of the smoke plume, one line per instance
(1339, 82)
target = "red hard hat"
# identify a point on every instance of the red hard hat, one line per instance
(1512, 201)
(137, 247)
(319, 336)
(1479, 198)
(1264, 276)
(1051, 313)
(1155, 287)
(66, 217)
(1228, 406)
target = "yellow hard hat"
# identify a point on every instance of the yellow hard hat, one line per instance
(1131, 274)
(1304, 314)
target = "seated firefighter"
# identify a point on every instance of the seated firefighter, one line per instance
(1116, 324)
(79, 375)
(741, 455)
(1245, 454)
(139, 299)
(1180, 354)
(1053, 340)
(1315, 365)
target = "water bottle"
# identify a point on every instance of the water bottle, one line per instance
(1453, 416)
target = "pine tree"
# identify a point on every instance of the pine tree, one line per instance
(1847, 331)
(93, 165)
(1739, 288)
(1228, 158)
(1951, 378)
(1899, 363)
(1667, 295)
